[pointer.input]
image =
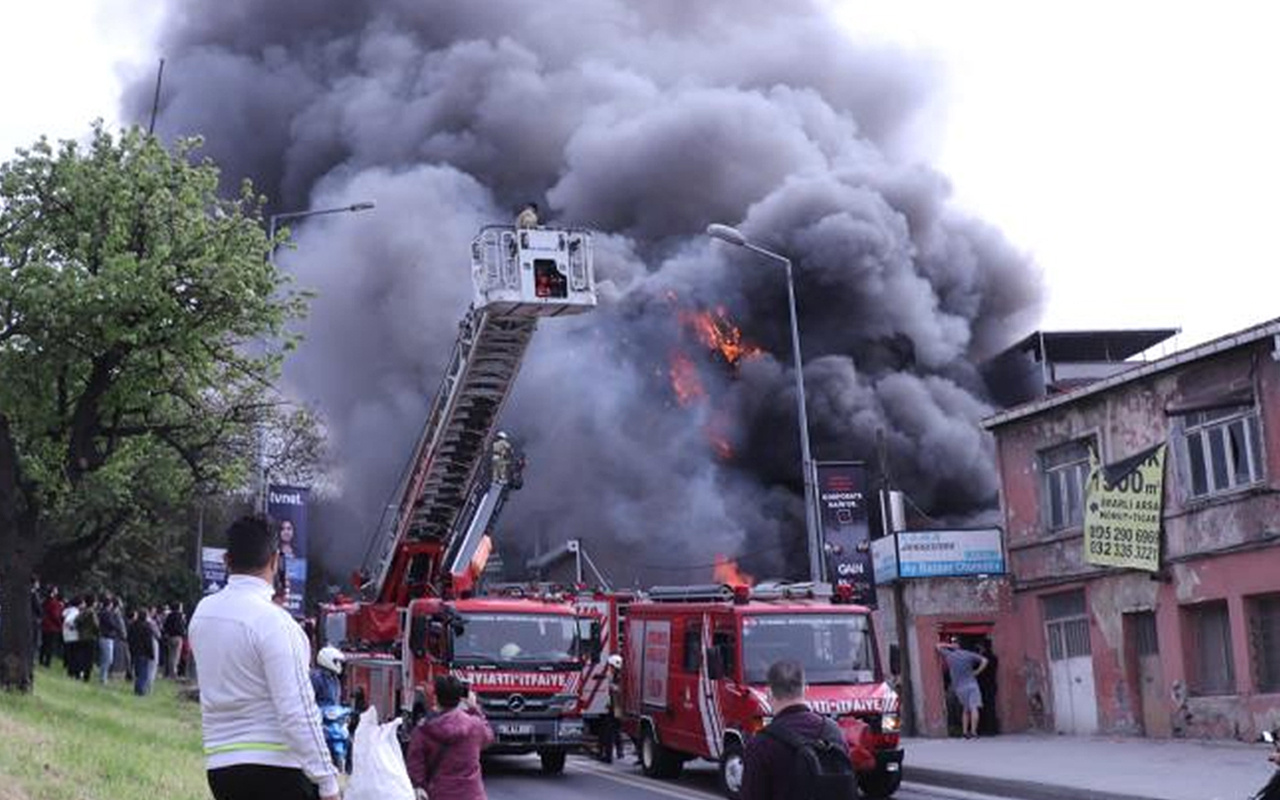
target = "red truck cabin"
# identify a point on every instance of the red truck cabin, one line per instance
(694, 680)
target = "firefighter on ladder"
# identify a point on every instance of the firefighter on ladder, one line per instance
(502, 455)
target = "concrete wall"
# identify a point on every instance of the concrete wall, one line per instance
(1219, 548)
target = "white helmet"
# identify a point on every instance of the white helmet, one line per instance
(502, 434)
(615, 661)
(331, 658)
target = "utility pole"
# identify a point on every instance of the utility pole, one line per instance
(890, 517)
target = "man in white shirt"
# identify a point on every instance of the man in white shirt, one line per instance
(262, 735)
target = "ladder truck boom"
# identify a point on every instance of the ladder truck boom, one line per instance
(447, 497)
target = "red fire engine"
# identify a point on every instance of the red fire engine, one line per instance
(525, 655)
(694, 676)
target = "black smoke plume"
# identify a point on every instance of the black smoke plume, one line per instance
(644, 121)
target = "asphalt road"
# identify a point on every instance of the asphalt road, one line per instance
(518, 778)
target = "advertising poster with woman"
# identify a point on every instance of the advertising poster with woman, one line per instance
(287, 506)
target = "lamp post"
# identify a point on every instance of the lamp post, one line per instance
(271, 259)
(271, 220)
(733, 236)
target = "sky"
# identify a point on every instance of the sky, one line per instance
(1130, 149)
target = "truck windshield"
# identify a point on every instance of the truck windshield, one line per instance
(833, 648)
(516, 639)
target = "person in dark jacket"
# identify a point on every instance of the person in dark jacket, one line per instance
(175, 634)
(108, 633)
(444, 752)
(143, 642)
(768, 765)
(87, 630)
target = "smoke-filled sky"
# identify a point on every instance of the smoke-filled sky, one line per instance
(645, 122)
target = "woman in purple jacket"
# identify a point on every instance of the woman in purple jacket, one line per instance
(444, 751)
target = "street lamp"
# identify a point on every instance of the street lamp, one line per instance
(271, 221)
(733, 236)
(271, 259)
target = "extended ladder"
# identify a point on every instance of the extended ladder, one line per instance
(519, 276)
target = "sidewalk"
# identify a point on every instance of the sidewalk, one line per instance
(1046, 767)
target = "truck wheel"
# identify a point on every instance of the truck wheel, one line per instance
(552, 761)
(731, 770)
(655, 760)
(879, 784)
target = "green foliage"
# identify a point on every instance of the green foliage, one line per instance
(141, 329)
(84, 741)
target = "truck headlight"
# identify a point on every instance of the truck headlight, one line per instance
(890, 723)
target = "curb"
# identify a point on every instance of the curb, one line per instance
(1008, 787)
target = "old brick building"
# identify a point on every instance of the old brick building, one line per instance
(1192, 649)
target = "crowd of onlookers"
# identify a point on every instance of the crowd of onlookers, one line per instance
(98, 635)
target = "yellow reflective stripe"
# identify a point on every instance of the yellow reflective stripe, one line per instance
(238, 746)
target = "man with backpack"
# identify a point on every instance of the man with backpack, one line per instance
(801, 755)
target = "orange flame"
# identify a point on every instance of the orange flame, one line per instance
(726, 571)
(715, 330)
(685, 380)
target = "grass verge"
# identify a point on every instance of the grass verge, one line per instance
(69, 740)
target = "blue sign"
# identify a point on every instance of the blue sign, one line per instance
(950, 553)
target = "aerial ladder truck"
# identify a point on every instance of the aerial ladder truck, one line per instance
(525, 655)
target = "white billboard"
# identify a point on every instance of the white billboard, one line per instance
(939, 554)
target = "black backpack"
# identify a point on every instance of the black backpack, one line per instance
(823, 769)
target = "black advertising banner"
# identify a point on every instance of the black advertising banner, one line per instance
(287, 505)
(842, 516)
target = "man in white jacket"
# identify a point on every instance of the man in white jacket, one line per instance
(262, 735)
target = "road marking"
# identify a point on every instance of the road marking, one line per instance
(648, 784)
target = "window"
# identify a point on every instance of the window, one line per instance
(1209, 666)
(1066, 471)
(692, 648)
(1264, 641)
(1223, 449)
(722, 642)
(1066, 625)
(1143, 631)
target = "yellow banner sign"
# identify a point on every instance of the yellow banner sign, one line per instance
(1122, 508)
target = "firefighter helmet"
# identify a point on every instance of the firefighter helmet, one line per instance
(331, 658)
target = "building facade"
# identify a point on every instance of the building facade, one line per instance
(1192, 648)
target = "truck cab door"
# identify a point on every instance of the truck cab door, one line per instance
(687, 724)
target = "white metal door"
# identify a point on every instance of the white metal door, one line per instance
(1066, 625)
(1075, 706)
(1060, 680)
(1084, 700)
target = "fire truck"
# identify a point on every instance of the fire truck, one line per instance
(526, 654)
(694, 676)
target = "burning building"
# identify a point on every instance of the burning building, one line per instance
(651, 425)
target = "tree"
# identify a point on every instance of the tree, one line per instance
(141, 328)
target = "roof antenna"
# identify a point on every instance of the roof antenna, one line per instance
(155, 101)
